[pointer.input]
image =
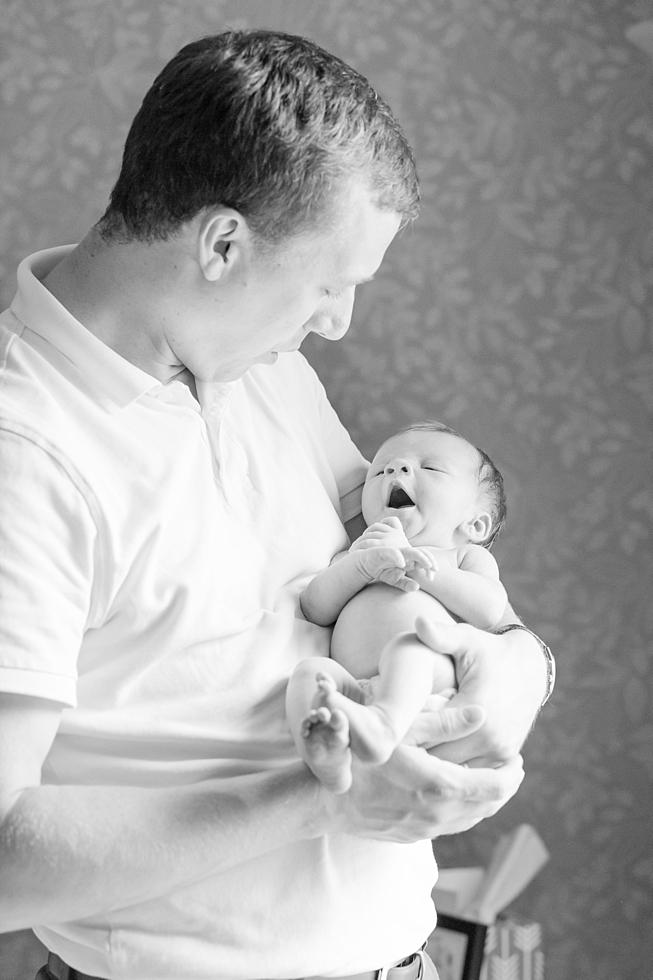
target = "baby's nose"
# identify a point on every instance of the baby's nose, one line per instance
(398, 466)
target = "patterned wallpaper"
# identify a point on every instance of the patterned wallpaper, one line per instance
(517, 309)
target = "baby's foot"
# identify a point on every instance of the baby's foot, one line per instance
(326, 740)
(370, 733)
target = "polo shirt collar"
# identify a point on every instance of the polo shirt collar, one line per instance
(35, 306)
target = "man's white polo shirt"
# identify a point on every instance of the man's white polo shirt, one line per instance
(152, 552)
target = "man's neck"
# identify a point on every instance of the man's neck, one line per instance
(104, 286)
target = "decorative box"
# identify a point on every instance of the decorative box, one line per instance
(472, 940)
(513, 951)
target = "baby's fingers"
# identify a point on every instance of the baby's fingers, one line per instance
(381, 527)
(418, 558)
(397, 578)
(392, 522)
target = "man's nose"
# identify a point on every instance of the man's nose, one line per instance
(398, 466)
(332, 322)
(333, 330)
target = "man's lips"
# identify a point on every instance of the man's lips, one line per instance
(398, 498)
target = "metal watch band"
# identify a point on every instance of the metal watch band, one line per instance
(550, 660)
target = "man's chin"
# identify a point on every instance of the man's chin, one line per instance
(236, 371)
(270, 358)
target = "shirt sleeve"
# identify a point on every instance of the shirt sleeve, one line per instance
(347, 463)
(48, 541)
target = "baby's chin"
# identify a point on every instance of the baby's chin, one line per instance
(408, 516)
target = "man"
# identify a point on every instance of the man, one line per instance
(173, 475)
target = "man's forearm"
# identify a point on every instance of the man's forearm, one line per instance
(70, 852)
(509, 616)
(73, 852)
(509, 622)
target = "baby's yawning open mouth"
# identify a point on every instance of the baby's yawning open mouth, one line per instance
(399, 498)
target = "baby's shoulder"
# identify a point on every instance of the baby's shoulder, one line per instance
(446, 556)
(476, 558)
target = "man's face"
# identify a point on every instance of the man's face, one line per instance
(429, 481)
(280, 295)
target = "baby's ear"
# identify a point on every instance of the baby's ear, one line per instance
(478, 527)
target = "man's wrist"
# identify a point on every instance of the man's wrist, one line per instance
(550, 660)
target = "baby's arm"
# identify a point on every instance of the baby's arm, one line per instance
(379, 555)
(473, 591)
(331, 589)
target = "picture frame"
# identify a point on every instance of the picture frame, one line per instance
(456, 946)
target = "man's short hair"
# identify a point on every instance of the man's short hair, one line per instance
(490, 480)
(263, 122)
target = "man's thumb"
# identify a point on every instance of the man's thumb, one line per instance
(455, 723)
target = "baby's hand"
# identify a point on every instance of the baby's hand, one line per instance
(387, 533)
(390, 565)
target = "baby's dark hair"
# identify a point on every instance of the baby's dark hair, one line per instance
(490, 480)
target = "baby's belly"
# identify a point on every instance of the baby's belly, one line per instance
(373, 617)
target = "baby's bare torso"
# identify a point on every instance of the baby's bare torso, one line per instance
(376, 614)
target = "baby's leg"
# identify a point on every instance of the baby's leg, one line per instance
(406, 678)
(321, 734)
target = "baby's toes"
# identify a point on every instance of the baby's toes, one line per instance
(316, 717)
(326, 683)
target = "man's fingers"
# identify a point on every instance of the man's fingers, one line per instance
(449, 724)
(494, 784)
(415, 796)
(448, 780)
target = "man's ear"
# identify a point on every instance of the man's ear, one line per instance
(223, 238)
(478, 527)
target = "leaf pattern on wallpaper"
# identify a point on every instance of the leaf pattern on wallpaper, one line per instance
(518, 308)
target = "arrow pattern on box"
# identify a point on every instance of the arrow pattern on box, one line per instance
(491, 940)
(538, 965)
(502, 962)
(505, 968)
(527, 937)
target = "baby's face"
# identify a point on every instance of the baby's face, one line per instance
(429, 481)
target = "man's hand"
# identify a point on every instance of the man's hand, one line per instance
(505, 674)
(415, 796)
